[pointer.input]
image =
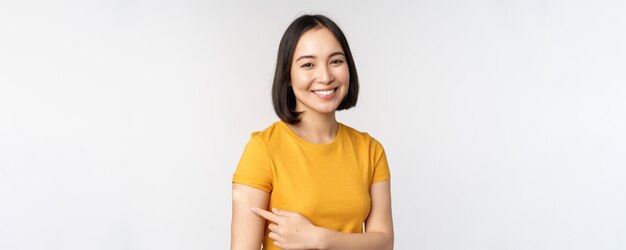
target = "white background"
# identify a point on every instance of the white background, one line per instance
(122, 121)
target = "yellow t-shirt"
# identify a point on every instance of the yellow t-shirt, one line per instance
(328, 183)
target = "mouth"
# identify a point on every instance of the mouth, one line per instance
(324, 93)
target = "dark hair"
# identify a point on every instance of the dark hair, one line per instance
(283, 98)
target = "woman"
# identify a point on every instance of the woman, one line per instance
(307, 181)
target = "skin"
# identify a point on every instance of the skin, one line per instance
(318, 64)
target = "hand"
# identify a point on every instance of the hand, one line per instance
(291, 230)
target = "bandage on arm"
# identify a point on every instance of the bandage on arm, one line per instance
(247, 228)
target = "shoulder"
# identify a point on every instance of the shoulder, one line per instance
(361, 137)
(267, 134)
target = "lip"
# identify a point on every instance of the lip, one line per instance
(324, 89)
(328, 97)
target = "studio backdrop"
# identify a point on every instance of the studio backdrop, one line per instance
(122, 121)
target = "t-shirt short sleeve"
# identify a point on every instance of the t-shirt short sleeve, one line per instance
(254, 168)
(381, 168)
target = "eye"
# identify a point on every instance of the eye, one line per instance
(336, 61)
(307, 65)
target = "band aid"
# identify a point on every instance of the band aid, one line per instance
(240, 196)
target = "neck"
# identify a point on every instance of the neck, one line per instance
(316, 127)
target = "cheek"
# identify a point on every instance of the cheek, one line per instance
(344, 76)
(300, 82)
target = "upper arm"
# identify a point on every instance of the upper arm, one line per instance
(247, 229)
(380, 219)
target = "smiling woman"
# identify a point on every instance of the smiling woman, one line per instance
(308, 181)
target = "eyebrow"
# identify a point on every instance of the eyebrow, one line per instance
(331, 55)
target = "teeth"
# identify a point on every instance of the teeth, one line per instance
(324, 92)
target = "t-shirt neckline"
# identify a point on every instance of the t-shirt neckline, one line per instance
(308, 144)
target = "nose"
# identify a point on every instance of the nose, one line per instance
(324, 75)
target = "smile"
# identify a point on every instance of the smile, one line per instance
(324, 93)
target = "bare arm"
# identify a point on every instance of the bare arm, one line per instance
(247, 229)
(378, 226)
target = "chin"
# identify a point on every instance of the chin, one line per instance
(326, 110)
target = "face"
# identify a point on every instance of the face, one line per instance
(319, 72)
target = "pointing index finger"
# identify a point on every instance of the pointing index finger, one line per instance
(266, 214)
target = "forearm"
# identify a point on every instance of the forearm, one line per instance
(363, 241)
(247, 229)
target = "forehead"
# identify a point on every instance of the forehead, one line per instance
(317, 41)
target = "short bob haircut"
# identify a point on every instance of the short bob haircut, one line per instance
(283, 98)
